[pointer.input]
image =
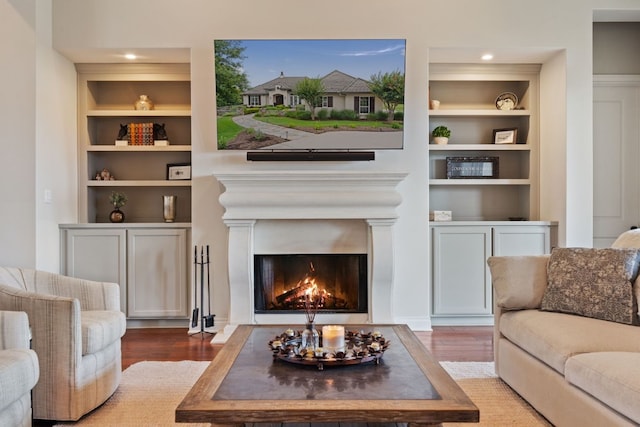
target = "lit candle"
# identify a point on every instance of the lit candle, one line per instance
(333, 338)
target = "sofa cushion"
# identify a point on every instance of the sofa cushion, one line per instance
(554, 337)
(19, 372)
(100, 328)
(611, 377)
(519, 281)
(593, 282)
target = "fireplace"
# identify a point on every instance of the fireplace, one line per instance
(282, 281)
(309, 211)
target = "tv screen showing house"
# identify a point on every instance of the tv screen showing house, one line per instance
(310, 94)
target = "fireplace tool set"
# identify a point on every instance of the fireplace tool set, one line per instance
(204, 320)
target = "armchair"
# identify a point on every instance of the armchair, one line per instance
(18, 369)
(76, 328)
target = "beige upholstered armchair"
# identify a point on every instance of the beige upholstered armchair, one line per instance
(76, 328)
(18, 369)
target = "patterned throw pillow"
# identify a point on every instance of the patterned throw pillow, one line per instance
(593, 283)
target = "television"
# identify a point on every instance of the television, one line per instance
(310, 99)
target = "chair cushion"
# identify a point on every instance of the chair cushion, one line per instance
(591, 282)
(611, 377)
(555, 337)
(101, 328)
(19, 373)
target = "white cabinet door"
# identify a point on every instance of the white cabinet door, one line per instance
(521, 240)
(157, 270)
(461, 284)
(97, 254)
(616, 154)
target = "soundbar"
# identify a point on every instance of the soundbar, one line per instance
(301, 155)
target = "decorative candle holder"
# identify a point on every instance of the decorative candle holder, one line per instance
(333, 338)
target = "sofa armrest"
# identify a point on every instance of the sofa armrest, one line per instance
(14, 330)
(519, 282)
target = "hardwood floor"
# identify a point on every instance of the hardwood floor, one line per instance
(446, 343)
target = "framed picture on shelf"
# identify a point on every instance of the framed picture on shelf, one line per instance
(472, 167)
(178, 171)
(505, 136)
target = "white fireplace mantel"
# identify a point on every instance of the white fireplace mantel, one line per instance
(251, 196)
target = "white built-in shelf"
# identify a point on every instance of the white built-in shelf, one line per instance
(479, 147)
(129, 148)
(480, 181)
(139, 113)
(139, 183)
(477, 113)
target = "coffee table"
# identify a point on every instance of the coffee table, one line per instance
(245, 384)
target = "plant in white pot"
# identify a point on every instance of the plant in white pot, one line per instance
(441, 135)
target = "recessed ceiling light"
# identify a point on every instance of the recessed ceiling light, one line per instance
(130, 56)
(487, 57)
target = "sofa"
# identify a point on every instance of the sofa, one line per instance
(19, 369)
(566, 334)
(76, 328)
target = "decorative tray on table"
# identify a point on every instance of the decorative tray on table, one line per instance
(360, 347)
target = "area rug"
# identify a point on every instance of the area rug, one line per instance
(150, 391)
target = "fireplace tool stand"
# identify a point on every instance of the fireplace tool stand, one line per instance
(207, 320)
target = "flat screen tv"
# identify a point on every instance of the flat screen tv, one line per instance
(310, 96)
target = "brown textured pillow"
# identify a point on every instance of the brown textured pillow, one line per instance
(593, 283)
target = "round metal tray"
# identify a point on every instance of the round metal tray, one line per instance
(360, 347)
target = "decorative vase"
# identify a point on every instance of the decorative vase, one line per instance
(144, 103)
(310, 337)
(169, 208)
(440, 140)
(116, 215)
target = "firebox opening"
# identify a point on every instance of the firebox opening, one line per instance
(280, 282)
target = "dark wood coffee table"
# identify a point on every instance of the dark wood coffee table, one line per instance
(244, 384)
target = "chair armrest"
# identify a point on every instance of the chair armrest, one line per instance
(55, 324)
(14, 330)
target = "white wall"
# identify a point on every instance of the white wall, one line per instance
(565, 26)
(616, 48)
(17, 135)
(37, 105)
(37, 142)
(56, 159)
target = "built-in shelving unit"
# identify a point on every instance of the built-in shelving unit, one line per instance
(467, 95)
(106, 97)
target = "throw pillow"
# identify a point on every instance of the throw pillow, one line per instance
(593, 283)
(518, 281)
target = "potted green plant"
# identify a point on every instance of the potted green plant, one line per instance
(118, 200)
(441, 135)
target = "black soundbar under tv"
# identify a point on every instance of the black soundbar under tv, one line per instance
(288, 156)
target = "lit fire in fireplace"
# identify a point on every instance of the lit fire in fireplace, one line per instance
(308, 289)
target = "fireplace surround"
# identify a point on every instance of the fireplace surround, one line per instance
(256, 201)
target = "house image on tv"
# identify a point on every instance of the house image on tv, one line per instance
(342, 92)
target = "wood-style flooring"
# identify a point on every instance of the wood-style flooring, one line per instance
(446, 343)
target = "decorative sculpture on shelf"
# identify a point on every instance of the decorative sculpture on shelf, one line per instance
(105, 175)
(143, 103)
(159, 133)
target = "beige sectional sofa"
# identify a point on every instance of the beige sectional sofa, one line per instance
(575, 369)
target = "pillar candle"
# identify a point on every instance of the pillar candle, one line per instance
(333, 338)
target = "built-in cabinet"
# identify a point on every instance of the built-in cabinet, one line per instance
(496, 215)
(460, 277)
(148, 261)
(107, 94)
